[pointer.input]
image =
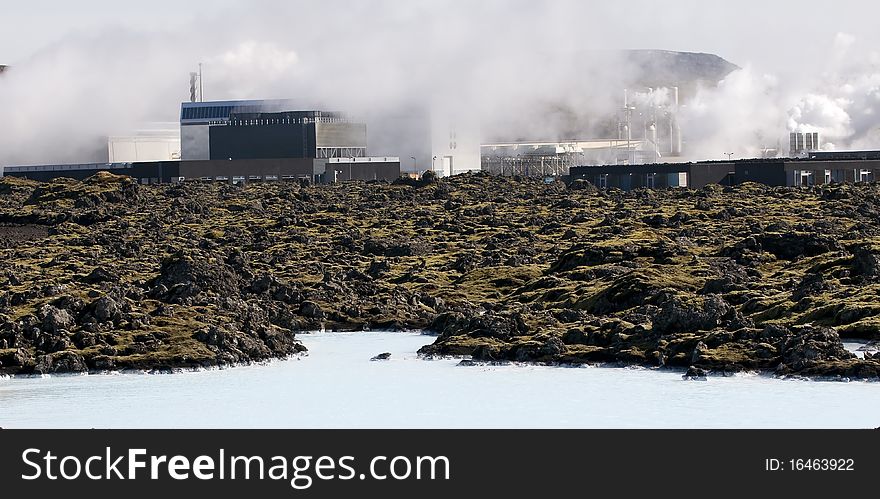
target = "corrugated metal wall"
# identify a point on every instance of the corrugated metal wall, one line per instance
(340, 135)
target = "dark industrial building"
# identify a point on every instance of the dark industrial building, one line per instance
(819, 168)
(266, 130)
(232, 171)
(287, 135)
(370, 168)
(844, 155)
(249, 141)
(655, 176)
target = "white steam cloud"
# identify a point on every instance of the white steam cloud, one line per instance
(751, 111)
(525, 69)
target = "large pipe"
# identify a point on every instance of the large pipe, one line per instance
(674, 127)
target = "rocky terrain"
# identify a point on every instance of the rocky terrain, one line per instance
(107, 274)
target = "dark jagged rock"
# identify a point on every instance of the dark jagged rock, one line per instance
(60, 362)
(866, 264)
(695, 374)
(382, 356)
(55, 320)
(99, 275)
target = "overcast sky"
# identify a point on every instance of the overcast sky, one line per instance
(774, 36)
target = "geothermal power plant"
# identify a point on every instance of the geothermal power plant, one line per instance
(643, 144)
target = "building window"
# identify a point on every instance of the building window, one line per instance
(602, 181)
(803, 178)
(650, 180)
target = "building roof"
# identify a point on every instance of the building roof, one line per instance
(844, 155)
(193, 113)
(66, 167)
(550, 148)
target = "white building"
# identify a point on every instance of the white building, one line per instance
(153, 142)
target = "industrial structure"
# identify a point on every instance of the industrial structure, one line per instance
(656, 176)
(239, 172)
(262, 129)
(802, 144)
(152, 142)
(556, 158)
(238, 142)
(644, 136)
(817, 169)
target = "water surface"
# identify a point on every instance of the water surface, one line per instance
(337, 386)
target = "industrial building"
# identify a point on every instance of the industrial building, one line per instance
(556, 158)
(262, 129)
(238, 142)
(644, 136)
(152, 142)
(240, 172)
(818, 169)
(656, 176)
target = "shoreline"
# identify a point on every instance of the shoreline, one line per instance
(476, 364)
(463, 361)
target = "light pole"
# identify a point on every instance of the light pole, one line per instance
(434, 164)
(729, 156)
(415, 164)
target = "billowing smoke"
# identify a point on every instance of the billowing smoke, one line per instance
(750, 111)
(743, 115)
(495, 60)
(527, 70)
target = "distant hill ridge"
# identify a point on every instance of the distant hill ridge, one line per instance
(686, 70)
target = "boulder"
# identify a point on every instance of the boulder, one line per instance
(60, 362)
(311, 310)
(55, 319)
(865, 264)
(695, 374)
(105, 309)
(99, 275)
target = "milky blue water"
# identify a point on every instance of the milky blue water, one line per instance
(337, 386)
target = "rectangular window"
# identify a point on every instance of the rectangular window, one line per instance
(803, 178)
